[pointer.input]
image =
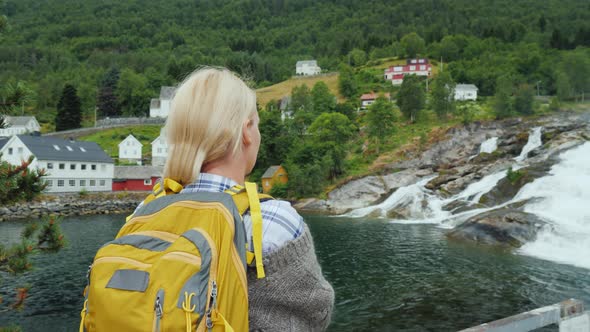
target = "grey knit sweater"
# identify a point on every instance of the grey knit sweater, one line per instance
(294, 296)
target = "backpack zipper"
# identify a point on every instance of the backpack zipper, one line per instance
(212, 304)
(158, 310)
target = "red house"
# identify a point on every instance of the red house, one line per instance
(419, 67)
(135, 178)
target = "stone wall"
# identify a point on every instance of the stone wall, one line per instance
(73, 205)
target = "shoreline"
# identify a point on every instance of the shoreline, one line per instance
(73, 204)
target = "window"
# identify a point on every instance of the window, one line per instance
(82, 183)
(92, 183)
(82, 149)
(60, 183)
(83, 167)
(69, 148)
(56, 147)
(72, 183)
(412, 67)
(73, 167)
(93, 167)
(128, 143)
(147, 182)
(20, 150)
(49, 165)
(49, 183)
(423, 67)
(62, 166)
(9, 150)
(103, 183)
(159, 150)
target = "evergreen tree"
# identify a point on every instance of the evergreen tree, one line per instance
(411, 97)
(523, 99)
(443, 95)
(357, 57)
(323, 100)
(563, 86)
(107, 102)
(502, 103)
(346, 82)
(413, 44)
(69, 113)
(380, 120)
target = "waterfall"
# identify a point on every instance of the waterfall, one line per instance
(533, 143)
(488, 146)
(563, 198)
(419, 203)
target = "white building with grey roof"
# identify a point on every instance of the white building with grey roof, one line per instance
(465, 92)
(307, 67)
(160, 107)
(71, 166)
(18, 125)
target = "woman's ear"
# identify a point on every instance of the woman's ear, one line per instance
(247, 132)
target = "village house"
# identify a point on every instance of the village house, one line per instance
(307, 67)
(160, 107)
(136, 178)
(19, 125)
(465, 92)
(273, 175)
(159, 150)
(71, 165)
(130, 150)
(418, 67)
(369, 98)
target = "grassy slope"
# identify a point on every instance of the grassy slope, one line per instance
(109, 139)
(283, 89)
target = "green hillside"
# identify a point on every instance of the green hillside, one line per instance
(109, 139)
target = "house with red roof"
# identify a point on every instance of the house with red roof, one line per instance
(418, 67)
(369, 98)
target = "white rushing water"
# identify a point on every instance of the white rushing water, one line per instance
(564, 200)
(488, 146)
(533, 142)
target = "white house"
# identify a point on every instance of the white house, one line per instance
(71, 165)
(159, 150)
(18, 125)
(160, 107)
(307, 67)
(465, 92)
(130, 150)
(369, 98)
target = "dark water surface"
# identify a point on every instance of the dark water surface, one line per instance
(387, 277)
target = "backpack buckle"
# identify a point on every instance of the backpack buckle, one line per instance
(158, 187)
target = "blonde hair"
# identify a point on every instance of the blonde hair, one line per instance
(205, 121)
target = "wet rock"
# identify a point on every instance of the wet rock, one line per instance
(503, 227)
(509, 186)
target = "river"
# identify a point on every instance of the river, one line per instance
(387, 277)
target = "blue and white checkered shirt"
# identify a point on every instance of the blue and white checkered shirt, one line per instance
(280, 221)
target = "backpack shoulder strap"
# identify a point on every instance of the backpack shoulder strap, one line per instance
(248, 198)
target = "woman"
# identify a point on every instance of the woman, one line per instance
(213, 138)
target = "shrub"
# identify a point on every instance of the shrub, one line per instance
(279, 190)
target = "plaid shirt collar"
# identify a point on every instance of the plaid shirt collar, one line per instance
(210, 183)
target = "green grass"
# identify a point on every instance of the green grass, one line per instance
(109, 139)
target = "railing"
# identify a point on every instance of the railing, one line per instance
(569, 315)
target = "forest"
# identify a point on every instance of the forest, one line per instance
(117, 54)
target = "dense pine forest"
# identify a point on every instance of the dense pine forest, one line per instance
(117, 55)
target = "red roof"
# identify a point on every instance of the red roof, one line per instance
(372, 96)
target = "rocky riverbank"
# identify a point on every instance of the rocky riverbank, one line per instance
(464, 183)
(73, 204)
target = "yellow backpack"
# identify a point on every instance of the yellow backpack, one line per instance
(179, 263)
